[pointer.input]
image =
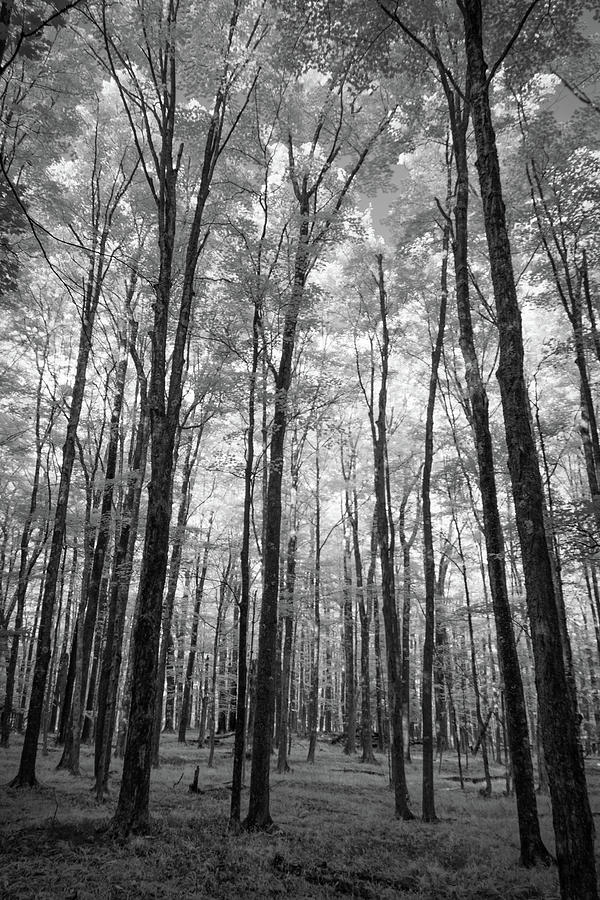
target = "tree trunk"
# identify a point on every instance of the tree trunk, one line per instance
(26, 776)
(313, 706)
(428, 554)
(187, 484)
(119, 594)
(24, 565)
(259, 815)
(348, 644)
(388, 592)
(532, 847)
(191, 662)
(573, 823)
(366, 723)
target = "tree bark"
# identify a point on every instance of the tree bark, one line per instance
(572, 818)
(259, 815)
(428, 554)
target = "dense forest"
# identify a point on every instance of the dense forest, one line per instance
(299, 441)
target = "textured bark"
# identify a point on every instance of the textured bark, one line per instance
(119, 594)
(532, 847)
(164, 400)
(573, 825)
(177, 541)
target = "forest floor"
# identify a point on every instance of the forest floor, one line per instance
(336, 835)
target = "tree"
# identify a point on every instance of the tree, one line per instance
(308, 173)
(378, 422)
(159, 59)
(103, 210)
(571, 812)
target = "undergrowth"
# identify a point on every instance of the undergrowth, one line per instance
(336, 835)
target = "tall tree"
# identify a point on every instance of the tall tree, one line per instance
(105, 201)
(309, 167)
(154, 122)
(378, 422)
(572, 818)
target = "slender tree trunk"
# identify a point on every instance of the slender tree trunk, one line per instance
(366, 724)
(191, 661)
(348, 643)
(428, 554)
(119, 594)
(313, 706)
(221, 609)
(388, 592)
(373, 602)
(259, 815)
(26, 776)
(24, 568)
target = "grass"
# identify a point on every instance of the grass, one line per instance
(336, 835)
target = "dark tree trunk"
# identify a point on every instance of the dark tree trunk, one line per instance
(164, 403)
(406, 546)
(373, 602)
(388, 592)
(286, 658)
(573, 824)
(191, 661)
(259, 815)
(119, 594)
(532, 847)
(428, 555)
(24, 569)
(348, 644)
(366, 723)
(313, 704)
(26, 774)
(166, 647)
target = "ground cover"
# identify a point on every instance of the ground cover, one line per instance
(335, 837)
